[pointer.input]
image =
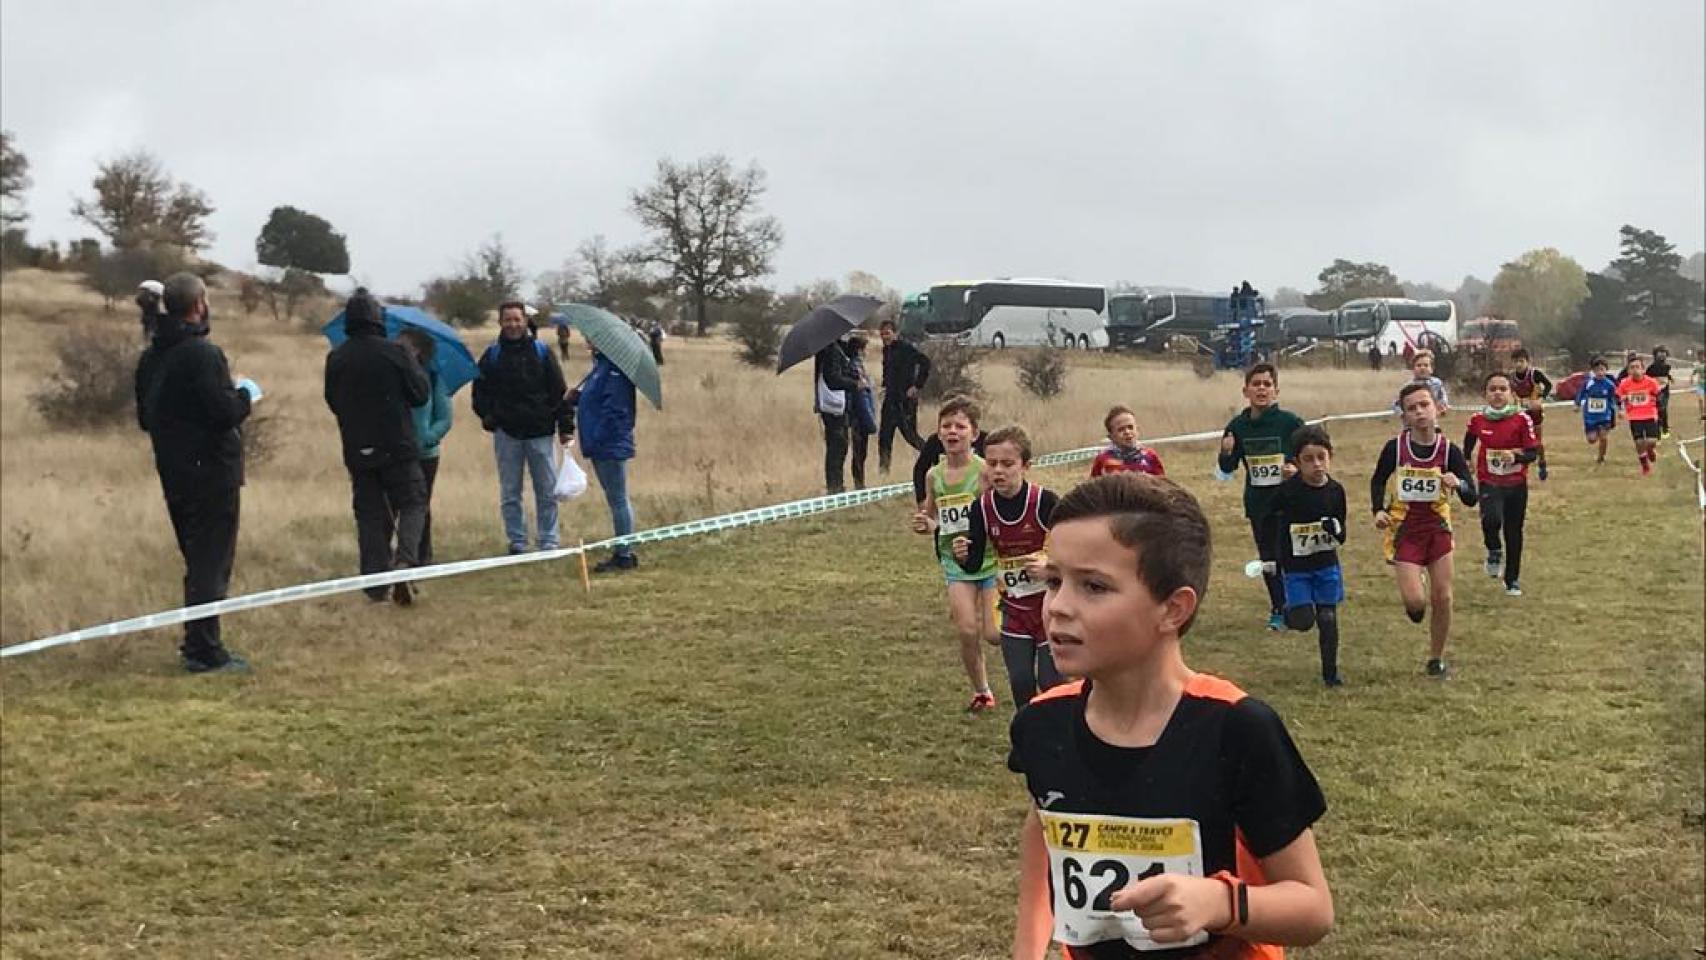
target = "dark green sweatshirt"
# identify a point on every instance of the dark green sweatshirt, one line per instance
(1257, 441)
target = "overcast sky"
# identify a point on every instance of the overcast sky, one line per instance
(1182, 143)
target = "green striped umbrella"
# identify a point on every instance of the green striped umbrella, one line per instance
(613, 337)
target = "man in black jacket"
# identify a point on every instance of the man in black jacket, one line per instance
(520, 400)
(371, 384)
(191, 410)
(905, 368)
(837, 390)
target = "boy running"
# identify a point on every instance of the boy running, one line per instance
(1172, 812)
(1597, 400)
(1659, 370)
(1260, 438)
(1012, 518)
(1506, 438)
(1124, 452)
(951, 490)
(1423, 469)
(1533, 388)
(1422, 372)
(1638, 395)
(1311, 522)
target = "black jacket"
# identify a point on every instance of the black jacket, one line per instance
(904, 365)
(836, 369)
(371, 385)
(185, 400)
(521, 390)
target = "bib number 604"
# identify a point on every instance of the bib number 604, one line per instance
(1111, 875)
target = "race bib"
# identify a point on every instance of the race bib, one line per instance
(1637, 400)
(1596, 404)
(1502, 463)
(1418, 484)
(1092, 857)
(1015, 582)
(1266, 471)
(1311, 538)
(953, 513)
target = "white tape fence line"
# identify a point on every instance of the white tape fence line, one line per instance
(692, 528)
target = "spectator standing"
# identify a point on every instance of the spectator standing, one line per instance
(187, 403)
(655, 338)
(905, 369)
(837, 391)
(861, 413)
(604, 418)
(432, 422)
(521, 401)
(372, 386)
(148, 300)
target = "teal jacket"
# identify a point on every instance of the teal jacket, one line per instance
(432, 419)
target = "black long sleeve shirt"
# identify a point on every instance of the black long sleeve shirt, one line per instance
(1009, 507)
(1296, 502)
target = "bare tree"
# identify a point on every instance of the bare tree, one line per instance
(136, 204)
(707, 230)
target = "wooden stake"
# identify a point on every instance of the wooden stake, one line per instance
(586, 578)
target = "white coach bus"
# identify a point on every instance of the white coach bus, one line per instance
(1018, 312)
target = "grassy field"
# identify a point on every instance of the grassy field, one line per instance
(753, 748)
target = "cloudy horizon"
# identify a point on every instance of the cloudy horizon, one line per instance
(1102, 142)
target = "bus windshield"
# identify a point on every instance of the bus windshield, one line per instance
(947, 309)
(1126, 310)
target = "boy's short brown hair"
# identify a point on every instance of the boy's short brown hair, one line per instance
(1114, 412)
(1261, 368)
(1410, 388)
(1419, 354)
(1014, 435)
(964, 406)
(1311, 435)
(1155, 517)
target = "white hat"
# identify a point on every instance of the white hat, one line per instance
(153, 286)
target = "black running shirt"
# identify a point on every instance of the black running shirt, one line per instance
(1223, 786)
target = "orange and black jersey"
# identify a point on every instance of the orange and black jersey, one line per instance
(1224, 760)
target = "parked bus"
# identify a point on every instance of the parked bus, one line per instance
(1129, 321)
(1016, 313)
(1394, 322)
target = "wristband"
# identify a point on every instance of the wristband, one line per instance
(1238, 894)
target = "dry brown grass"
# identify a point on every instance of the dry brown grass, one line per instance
(85, 533)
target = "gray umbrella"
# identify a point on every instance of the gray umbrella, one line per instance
(823, 326)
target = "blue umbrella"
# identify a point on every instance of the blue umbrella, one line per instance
(450, 359)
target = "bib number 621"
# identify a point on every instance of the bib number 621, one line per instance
(1108, 876)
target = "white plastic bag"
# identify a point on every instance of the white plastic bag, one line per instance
(571, 479)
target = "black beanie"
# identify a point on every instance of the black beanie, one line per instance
(362, 310)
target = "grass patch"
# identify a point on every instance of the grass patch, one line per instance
(753, 749)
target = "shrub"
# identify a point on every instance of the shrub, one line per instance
(95, 383)
(1042, 372)
(953, 371)
(759, 336)
(260, 433)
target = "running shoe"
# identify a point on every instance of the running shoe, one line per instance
(1276, 621)
(1436, 669)
(1334, 681)
(1646, 467)
(1513, 589)
(981, 702)
(1495, 566)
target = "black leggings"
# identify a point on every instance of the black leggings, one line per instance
(1504, 509)
(1327, 618)
(1266, 534)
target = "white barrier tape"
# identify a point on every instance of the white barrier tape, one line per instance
(729, 521)
(1699, 478)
